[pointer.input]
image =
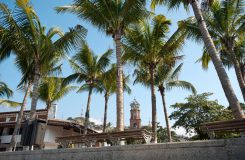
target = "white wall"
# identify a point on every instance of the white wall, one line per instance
(56, 131)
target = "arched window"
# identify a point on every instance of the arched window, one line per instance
(135, 125)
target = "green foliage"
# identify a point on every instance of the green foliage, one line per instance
(162, 135)
(107, 83)
(51, 90)
(146, 44)
(88, 68)
(8, 103)
(198, 109)
(226, 25)
(92, 125)
(5, 90)
(171, 4)
(31, 43)
(109, 16)
(167, 78)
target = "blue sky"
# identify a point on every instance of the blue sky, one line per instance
(71, 105)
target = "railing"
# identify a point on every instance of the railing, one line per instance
(113, 137)
(7, 138)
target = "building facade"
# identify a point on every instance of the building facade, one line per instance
(55, 128)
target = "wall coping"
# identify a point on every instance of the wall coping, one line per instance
(173, 145)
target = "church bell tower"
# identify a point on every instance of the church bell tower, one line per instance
(135, 121)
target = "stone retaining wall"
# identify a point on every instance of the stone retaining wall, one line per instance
(232, 149)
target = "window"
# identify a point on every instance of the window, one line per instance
(11, 131)
(135, 125)
(1, 131)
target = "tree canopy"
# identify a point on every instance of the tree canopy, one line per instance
(197, 110)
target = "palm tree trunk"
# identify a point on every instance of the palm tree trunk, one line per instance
(224, 79)
(87, 111)
(238, 72)
(48, 108)
(162, 92)
(19, 119)
(153, 102)
(35, 92)
(105, 113)
(120, 108)
(242, 71)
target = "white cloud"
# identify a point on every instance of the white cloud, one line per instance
(96, 121)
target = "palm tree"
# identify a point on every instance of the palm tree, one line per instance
(111, 17)
(25, 65)
(20, 117)
(146, 45)
(52, 90)
(34, 49)
(225, 25)
(107, 85)
(166, 79)
(88, 68)
(31, 40)
(209, 44)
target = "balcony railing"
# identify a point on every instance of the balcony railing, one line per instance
(7, 138)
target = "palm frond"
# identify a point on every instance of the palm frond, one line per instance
(181, 84)
(5, 90)
(8, 103)
(176, 72)
(51, 89)
(104, 60)
(63, 92)
(108, 16)
(74, 77)
(71, 39)
(171, 4)
(84, 87)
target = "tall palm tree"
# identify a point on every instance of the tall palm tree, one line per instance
(31, 40)
(166, 79)
(52, 90)
(225, 24)
(26, 66)
(209, 44)
(88, 69)
(31, 44)
(107, 85)
(146, 44)
(13, 141)
(111, 17)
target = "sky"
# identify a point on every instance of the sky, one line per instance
(72, 104)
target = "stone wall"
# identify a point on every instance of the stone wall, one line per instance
(232, 149)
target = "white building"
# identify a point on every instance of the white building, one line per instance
(55, 128)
